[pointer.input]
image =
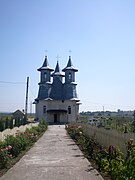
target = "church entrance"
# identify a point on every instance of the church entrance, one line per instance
(55, 118)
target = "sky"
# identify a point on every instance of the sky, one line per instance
(100, 34)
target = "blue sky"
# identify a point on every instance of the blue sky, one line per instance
(100, 33)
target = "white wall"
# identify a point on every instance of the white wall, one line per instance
(57, 105)
(16, 130)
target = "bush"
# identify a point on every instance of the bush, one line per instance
(11, 123)
(5, 154)
(6, 123)
(15, 143)
(1, 125)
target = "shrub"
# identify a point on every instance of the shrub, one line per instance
(6, 123)
(5, 155)
(11, 123)
(15, 143)
(1, 125)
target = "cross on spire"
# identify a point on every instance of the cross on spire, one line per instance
(46, 52)
(57, 57)
(70, 52)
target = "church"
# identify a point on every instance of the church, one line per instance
(57, 100)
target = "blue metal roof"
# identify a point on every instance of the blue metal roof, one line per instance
(57, 90)
(45, 66)
(70, 66)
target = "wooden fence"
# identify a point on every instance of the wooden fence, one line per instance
(108, 137)
(13, 131)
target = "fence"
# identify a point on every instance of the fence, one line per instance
(13, 131)
(108, 137)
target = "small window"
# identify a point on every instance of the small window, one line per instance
(69, 76)
(44, 109)
(45, 75)
(69, 109)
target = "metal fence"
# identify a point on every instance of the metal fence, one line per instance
(108, 137)
(15, 130)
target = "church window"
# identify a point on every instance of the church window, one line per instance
(69, 76)
(69, 109)
(44, 109)
(45, 75)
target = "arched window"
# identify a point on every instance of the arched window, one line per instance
(69, 76)
(45, 75)
(44, 109)
(69, 109)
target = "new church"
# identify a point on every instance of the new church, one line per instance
(57, 100)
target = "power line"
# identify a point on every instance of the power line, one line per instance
(32, 93)
(7, 82)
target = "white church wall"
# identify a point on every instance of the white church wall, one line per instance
(57, 105)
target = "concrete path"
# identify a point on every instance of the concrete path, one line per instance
(53, 157)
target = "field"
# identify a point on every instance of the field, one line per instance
(120, 123)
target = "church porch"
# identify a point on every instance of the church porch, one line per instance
(57, 116)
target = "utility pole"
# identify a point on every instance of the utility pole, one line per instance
(26, 101)
(30, 108)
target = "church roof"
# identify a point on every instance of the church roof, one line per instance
(69, 66)
(45, 66)
(57, 71)
(56, 89)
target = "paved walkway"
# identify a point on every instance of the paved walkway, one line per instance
(53, 157)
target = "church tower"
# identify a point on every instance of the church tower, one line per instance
(69, 72)
(70, 85)
(45, 72)
(57, 85)
(45, 79)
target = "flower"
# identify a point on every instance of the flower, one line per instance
(10, 156)
(79, 127)
(80, 133)
(9, 147)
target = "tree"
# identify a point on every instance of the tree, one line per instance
(133, 122)
(1, 125)
(11, 123)
(6, 123)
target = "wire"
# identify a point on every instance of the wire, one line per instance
(31, 92)
(6, 82)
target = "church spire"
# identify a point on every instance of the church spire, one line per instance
(45, 65)
(69, 66)
(57, 71)
(45, 72)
